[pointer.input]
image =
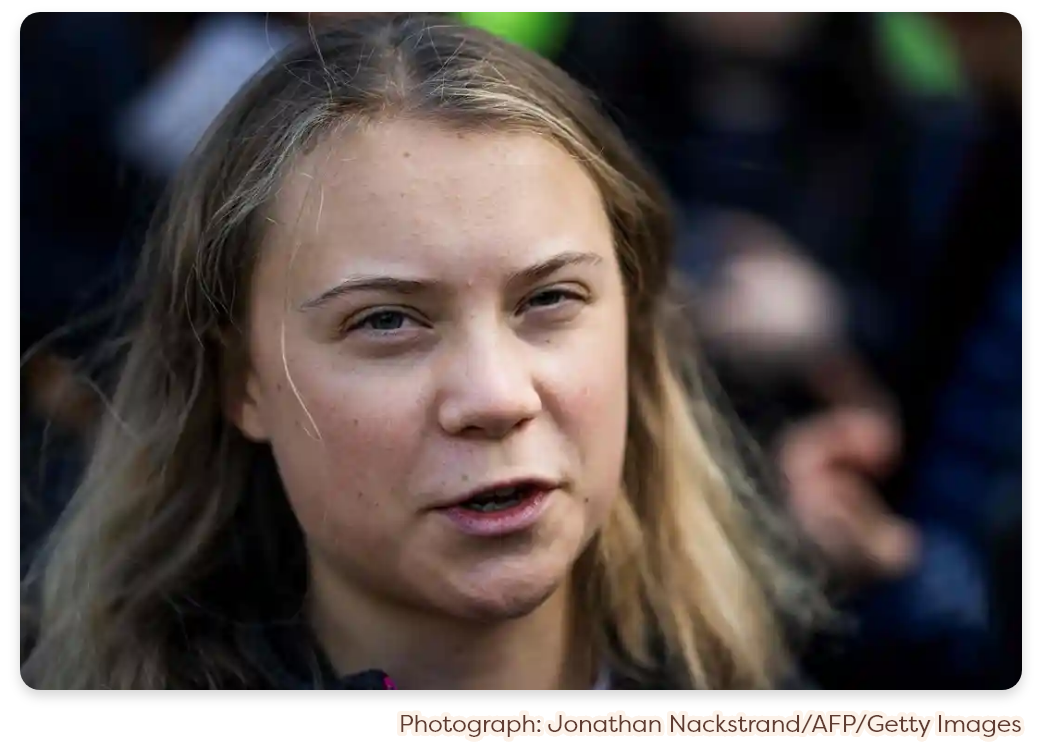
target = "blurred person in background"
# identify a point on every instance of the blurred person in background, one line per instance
(961, 386)
(852, 192)
(952, 616)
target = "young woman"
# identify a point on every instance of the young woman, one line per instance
(404, 406)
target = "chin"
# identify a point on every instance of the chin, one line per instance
(505, 595)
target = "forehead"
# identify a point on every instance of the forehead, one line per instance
(425, 194)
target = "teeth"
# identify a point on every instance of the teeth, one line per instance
(506, 492)
(496, 499)
(503, 493)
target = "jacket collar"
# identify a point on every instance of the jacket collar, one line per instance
(290, 658)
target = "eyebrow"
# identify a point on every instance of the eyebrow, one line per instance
(525, 277)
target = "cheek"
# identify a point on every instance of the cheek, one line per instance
(593, 411)
(343, 447)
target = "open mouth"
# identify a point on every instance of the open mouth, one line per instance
(502, 509)
(502, 498)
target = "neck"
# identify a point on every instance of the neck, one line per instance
(422, 650)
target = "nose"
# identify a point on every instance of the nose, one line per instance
(488, 389)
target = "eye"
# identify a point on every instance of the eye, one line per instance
(552, 298)
(380, 322)
(385, 320)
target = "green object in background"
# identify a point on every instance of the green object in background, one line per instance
(916, 49)
(544, 33)
(921, 56)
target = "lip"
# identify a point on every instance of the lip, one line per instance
(501, 523)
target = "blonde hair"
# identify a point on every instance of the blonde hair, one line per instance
(143, 581)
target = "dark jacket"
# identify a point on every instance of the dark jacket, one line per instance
(291, 660)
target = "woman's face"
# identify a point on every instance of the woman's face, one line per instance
(437, 315)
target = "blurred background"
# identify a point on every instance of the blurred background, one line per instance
(849, 194)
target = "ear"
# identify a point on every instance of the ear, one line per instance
(243, 405)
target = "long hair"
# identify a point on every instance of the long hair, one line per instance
(180, 532)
